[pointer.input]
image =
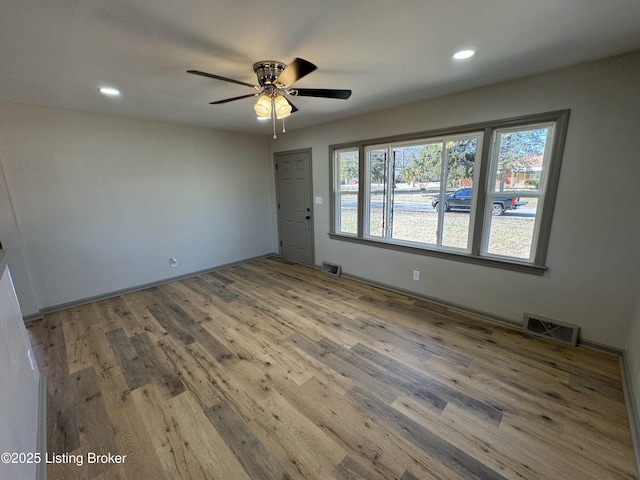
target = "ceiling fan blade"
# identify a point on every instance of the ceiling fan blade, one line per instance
(224, 79)
(295, 71)
(322, 92)
(227, 100)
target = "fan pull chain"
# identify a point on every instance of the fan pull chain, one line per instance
(273, 116)
(283, 130)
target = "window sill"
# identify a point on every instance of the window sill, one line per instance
(460, 257)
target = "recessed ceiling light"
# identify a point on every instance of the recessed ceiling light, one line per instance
(111, 92)
(463, 54)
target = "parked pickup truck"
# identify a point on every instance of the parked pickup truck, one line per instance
(461, 200)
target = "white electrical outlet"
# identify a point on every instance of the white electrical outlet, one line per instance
(416, 274)
(173, 262)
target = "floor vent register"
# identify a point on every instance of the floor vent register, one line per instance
(558, 331)
(331, 268)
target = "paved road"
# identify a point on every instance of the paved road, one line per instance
(522, 212)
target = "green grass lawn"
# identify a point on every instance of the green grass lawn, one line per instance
(509, 235)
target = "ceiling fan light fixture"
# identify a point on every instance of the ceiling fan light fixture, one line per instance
(263, 106)
(274, 82)
(282, 107)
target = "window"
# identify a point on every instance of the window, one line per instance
(347, 189)
(516, 180)
(480, 193)
(404, 182)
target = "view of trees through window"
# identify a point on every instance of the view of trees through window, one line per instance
(425, 193)
(518, 168)
(348, 164)
(520, 158)
(404, 184)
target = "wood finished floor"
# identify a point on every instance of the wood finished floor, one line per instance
(270, 370)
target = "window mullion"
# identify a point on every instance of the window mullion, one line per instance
(366, 168)
(478, 221)
(389, 193)
(444, 159)
(363, 207)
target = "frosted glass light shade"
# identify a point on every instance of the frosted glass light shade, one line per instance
(263, 106)
(282, 107)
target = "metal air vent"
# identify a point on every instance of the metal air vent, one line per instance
(543, 327)
(331, 268)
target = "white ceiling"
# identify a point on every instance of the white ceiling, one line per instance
(389, 52)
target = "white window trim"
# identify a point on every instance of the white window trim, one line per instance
(337, 193)
(539, 194)
(390, 180)
(477, 166)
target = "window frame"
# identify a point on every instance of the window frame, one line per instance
(337, 193)
(390, 191)
(366, 226)
(478, 220)
(539, 194)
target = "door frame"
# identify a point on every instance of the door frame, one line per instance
(310, 199)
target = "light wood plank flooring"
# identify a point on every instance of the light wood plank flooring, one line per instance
(270, 370)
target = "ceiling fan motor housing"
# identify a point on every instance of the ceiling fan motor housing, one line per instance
(268, 71)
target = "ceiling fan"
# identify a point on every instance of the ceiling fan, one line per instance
(274, 82)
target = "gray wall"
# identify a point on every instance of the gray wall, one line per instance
(19, 381)
(99, 204)
(92, 204)
(593, 256)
